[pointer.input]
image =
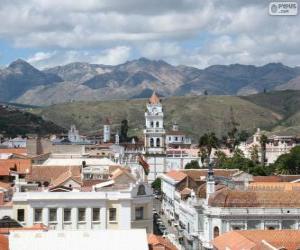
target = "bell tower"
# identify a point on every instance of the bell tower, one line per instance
(154, 132)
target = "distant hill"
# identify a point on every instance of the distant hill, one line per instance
(14, 122)
(22, 83)
(275, 111)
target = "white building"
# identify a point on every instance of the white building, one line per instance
(176, 138)
(213, 209)
(275, 146)
(75, 137)
(154, 131)
(109, 205)
(106, 132)
(77, 240)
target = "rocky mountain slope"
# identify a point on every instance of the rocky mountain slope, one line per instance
(22, 83)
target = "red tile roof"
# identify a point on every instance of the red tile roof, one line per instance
(156, 242)
(237, 198)
(154, 99)
(50, 173)
(21, 151)
(258, 240)
(3, 242)
(176, 175)
(23, 166)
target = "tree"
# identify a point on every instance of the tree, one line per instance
(221, 158)
(288, 163)
(156, 184)
(124, 131)
(243, 136)
(207, 142)
(254, 154)
(263, 142)
(232, 139)
(192, 165)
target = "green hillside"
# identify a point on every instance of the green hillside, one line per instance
(15, 122)
(195, 114)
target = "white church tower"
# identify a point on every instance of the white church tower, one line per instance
(106, 131)
(154, 131)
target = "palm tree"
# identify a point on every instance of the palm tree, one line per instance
(207, 142)
(263, 142)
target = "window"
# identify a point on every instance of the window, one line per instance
(67, 215)
(96, 214)
(139, 213)
(176, 138)
(112, 214)
(52, 215)
(151, 142)
(21, 215)
(81, 214)
(288, 224)
(157, 142)
(157, 124)
(152, 124)
(38, 215)
(253, 224)
(216, 232)
(141, 190)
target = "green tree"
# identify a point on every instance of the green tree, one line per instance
(254, 154)
(156, 184)
(192, 165)
(221, 158)
(243, 136)
(263, 142)
(124, 131)
(288, 163)
(207, 142)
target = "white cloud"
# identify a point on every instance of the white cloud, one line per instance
(112, 56)
(221, 32)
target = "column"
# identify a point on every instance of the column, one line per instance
(45, 215)
(60, 218)
(88, 218)
(74, 217)
(103, 217)
(30, 217)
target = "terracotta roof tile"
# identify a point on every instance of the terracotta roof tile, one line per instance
(49, 173)
(237, 198)
(3, 242)
(258, 239)
(159, 242)
(23, 165)
(21, 151)
(154, 99)
(176, 175)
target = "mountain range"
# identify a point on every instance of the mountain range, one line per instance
(20, 82)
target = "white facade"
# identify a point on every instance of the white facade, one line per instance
(115, 209)
(275, 147)
(154, 131)
(106, 133)
(77, 240)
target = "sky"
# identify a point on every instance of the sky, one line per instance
(197, 33)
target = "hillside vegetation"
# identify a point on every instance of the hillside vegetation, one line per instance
(275, 111)
(14, 122)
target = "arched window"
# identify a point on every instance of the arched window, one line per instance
(152, 124)
(157, 142)
(216, 232)
(151, 142)
(141, 190)
(157, 124)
